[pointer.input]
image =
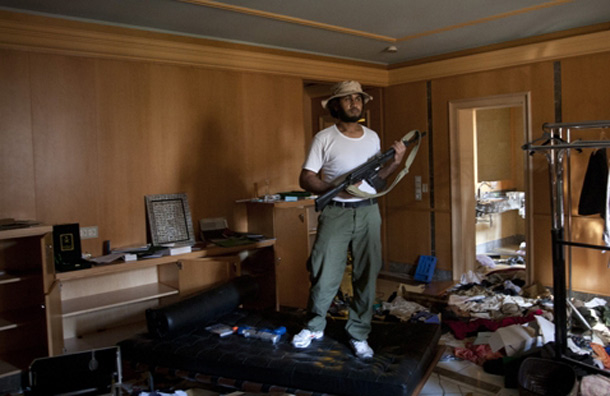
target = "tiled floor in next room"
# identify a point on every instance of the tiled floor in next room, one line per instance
(464, 378)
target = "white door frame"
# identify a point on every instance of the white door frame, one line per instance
(461, 142)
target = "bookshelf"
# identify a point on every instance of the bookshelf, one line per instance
(25, 257)
(104, 304)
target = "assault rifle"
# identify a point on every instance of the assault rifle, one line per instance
(368, 171)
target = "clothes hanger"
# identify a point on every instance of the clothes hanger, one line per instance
(548, 138)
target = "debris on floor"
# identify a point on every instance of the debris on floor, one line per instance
(496, 320)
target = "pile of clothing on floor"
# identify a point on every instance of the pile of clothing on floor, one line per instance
(495, 320)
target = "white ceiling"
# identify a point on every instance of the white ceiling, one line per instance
(352, 29)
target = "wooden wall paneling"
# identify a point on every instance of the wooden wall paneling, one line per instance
(442, 91)
(65, 139)
(590, 272)
(220, 144)
(125, 150)
(376, 120)
(318, 117)
(203, 273)
(442, 232)
(538, 207)
(175, 131)
(406, 221)
(543, 270)
(585, 88)
(542, 111)
(274, 134)
(17, 181)
(193, 124)
(408, 235)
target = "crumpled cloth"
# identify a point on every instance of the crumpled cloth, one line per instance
(461, 330)
(596, 302)
(595, 385)
(478, 354)
(471, 277)
(402, 308)
(496, 306)
(485, 261)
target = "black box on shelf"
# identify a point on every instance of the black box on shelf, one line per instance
(67, 248)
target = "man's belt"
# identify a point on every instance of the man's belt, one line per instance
(354, 204)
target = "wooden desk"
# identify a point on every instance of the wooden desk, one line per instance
(99, 306)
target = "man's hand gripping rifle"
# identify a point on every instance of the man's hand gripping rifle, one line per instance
(369, 171)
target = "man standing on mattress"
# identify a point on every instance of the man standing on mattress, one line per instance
(347, 221)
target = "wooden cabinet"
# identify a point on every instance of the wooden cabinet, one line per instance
(102, 305)
(293, 225)
(26, 278)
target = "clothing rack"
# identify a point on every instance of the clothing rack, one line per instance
(557, 144)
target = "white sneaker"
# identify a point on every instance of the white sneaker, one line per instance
(361, 349)
(305, 337)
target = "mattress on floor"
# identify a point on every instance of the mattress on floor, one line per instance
(403, 353)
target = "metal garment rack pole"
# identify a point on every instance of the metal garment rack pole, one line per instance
(556, 146)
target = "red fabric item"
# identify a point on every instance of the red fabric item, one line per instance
(462, 329)
(478, 354)
(601, 354)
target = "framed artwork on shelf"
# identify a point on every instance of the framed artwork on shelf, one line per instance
(169, 220)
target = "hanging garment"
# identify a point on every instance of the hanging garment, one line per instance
(593, 194)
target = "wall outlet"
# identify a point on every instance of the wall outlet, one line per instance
(88, 232)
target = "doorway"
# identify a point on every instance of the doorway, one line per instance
(488, 172)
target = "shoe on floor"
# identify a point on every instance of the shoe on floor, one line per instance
(305, 337)
(361, 349)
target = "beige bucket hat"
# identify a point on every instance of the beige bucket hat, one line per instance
(345, 88)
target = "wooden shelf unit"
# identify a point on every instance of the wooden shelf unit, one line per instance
(294, 226)
(26, 267)
(102, 305)
(87, 304)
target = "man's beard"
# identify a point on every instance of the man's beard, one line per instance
(343, 116)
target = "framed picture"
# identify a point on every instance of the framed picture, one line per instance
(169, 220)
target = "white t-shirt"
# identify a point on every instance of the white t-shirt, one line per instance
(335, 155)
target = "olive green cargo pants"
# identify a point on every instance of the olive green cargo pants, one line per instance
(338, 228)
